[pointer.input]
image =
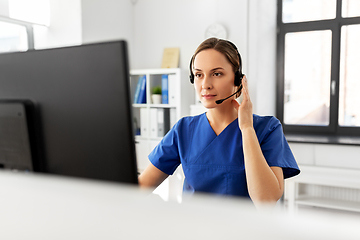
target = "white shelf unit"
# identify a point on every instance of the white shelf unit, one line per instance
(342, 187)
(184, 97)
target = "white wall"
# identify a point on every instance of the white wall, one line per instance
(262, 55)
(173, 23)
(107, 20)
(65, 25)
(4, 8)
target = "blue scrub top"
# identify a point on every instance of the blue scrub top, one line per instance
(215, 163)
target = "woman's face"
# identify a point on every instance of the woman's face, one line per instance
(213, 77)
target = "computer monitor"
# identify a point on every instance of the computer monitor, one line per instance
(79, 100)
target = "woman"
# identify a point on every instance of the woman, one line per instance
(226, 150)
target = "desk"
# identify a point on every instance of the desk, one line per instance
(48, 207)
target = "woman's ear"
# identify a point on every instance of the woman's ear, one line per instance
(239, 93)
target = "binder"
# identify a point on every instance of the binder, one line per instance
(142, 151)
(164, 89)
(154, 122)
(163, 118)
(172, 89)
(137, 90)
(160, 122)
(142, 93)
(166, 121)
(144, 122)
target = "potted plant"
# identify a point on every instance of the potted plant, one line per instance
(156, 95)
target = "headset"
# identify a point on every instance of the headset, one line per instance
(238, 74)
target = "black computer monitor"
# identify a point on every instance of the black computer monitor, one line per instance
(79, 100)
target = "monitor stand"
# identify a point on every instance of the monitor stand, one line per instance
(15, 150)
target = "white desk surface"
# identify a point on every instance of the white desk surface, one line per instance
(48, 207)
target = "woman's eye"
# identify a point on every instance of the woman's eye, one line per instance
(217, 74)
(197, 75)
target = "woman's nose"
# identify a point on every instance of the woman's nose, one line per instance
(207, 84)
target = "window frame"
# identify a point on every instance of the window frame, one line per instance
(335, 26)
(28, 26)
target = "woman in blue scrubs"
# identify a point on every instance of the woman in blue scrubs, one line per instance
(228, 150)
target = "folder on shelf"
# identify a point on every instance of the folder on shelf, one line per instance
(172, 90)
(159, 122)
(142, 93)
(137, 90)
(144, 122)
(163, 121)
(153, 122)
(164, 89)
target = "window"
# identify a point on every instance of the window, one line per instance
(15, 35)
(318, 71)
(34, 11)
(349, 108)
(16, 30)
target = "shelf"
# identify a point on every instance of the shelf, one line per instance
(144, 105)
(324, 187)
(328, 203)
(153, 120)
(156, 71)
(326, 176)
(141, 138)
(138, 105)
(161, 106)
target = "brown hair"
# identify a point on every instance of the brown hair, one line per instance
(225, 47)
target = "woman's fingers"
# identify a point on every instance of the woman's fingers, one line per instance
(245, 88)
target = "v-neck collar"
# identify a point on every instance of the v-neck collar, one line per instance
(209, 125)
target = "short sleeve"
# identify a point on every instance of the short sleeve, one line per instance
(277, 151)
(165, 156)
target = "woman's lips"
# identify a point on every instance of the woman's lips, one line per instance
(208, 96)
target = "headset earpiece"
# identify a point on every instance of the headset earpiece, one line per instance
(238, 74)
(191, 76)
(238, 78)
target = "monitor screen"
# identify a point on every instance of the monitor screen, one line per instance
(81, 107)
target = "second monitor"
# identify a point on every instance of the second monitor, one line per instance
(82, 108)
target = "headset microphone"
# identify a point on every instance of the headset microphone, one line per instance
(221, 100)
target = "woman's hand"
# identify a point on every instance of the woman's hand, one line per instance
(245, 111)
(265, 184)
